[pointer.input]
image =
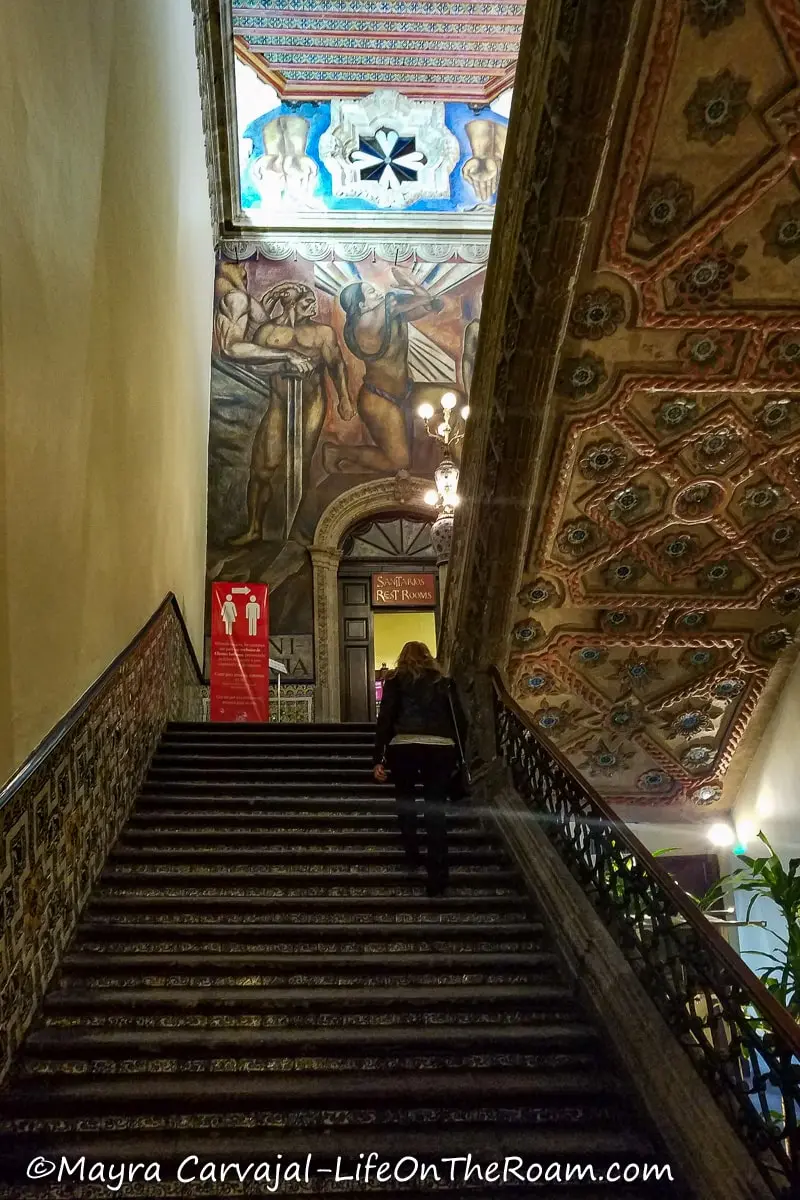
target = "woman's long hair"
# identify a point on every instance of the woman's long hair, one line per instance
(351, 298)
(415, 659)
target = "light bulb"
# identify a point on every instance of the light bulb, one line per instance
(449, 400)
(721, 834)
(425, 411)
(465, 412)
(442, 429)
(431, 497)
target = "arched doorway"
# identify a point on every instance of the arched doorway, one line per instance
(388, 594)
(402, 494)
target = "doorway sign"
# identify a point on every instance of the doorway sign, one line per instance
(239, 652)
(403, 590)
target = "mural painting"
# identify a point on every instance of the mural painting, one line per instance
(318, 370)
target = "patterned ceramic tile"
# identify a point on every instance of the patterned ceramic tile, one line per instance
(57, 827)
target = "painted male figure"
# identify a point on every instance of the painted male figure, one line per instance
(289, 329)
(237, 318)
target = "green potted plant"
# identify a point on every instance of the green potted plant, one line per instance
(767, 877)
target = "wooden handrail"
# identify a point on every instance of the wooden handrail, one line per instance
(775, 1013)
(62, 728)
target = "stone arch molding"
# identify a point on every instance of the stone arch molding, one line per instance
(405, 492)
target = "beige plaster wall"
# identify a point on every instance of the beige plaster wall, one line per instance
(106, 276)
(768, 797)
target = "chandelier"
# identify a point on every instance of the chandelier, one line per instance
(445, 432)
(448, 431)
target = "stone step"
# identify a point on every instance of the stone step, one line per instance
(302, 833)
(336, 729)
(170, 969)
(379, 807)
(291, 734)
(319, 774)
(325, 938)
(186, 752)
(356, 804)
(361, 747)
(352, 802)
(210, 1065)
(291, 964)
(236, 734)
(301, 821)
(259, 1000)
(312, 881)
(334, 908)
(317, 757)
(310, 1091)
(322, 788)
(308, 1019)
(172, 849)
(259, 1044)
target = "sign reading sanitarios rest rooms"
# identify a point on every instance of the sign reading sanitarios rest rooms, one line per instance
(239, 652)
(403, 590)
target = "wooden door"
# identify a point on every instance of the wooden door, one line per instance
(358, 670)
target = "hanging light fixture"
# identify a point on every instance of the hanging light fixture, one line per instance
(446, 479)
(447, 429)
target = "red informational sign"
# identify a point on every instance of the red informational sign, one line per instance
(239, 652)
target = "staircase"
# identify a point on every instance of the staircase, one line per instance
(257, 974)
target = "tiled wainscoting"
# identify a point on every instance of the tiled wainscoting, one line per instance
(296, 707)
(297, 703)
(63, 810)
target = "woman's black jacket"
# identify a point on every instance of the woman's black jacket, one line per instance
(419, 705)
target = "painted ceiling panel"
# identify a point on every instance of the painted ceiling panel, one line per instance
(322, 161)
(317, 49)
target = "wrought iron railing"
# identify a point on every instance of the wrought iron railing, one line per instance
(741, 1040)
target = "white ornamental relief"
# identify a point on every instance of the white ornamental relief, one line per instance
(437, 251)
(314, 251)
(394, 252)
(238, 251)
(389, 150)
(354, 251)
(276, 251)
(475, 252)
(332, 247)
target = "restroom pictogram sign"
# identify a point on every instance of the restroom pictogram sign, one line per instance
(239, 652)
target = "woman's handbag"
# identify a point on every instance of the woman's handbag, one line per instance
(460, 781)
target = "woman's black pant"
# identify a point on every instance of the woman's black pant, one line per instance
(433, 766)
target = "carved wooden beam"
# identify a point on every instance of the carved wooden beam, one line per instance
(214, 42)
(572, 60)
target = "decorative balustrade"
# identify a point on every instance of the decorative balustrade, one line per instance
(742, 1042)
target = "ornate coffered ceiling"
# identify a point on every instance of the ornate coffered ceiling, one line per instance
(441, 49)
(662, 579)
